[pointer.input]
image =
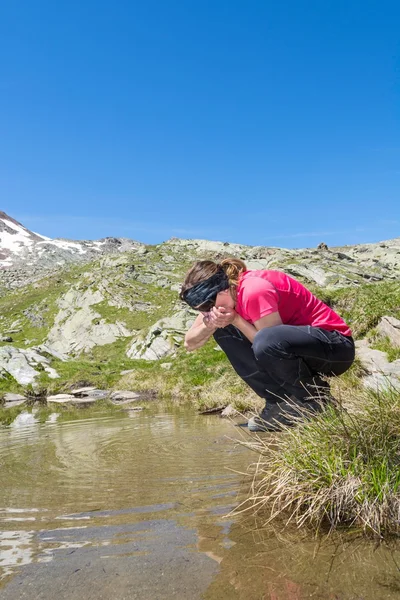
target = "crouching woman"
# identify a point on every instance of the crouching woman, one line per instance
(278, 336)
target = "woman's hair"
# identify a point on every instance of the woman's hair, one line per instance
(203, 269)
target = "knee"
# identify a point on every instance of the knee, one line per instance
(268, 341)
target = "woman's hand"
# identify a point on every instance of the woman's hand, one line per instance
(219, 317)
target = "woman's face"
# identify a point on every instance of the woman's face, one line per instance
(225, 300)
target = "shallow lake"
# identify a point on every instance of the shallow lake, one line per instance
(136, 506)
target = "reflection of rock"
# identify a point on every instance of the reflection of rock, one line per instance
(163, 337)
(77, 327)
(24, 365)
(24, 419)
(380, 372)
(390, 327)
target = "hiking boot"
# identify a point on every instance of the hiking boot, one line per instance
(286, 413)
(271, 418)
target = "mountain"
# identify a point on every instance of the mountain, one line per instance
(89, 310)
(21, 248)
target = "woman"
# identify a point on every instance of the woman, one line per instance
(277, 335)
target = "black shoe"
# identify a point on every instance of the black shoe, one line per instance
(271, 418)
(288, 413)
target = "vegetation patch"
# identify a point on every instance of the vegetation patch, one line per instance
(339, 468)
(362, 307)
(384, 344)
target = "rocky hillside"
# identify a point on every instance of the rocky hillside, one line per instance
(26, 256)
(74, 310)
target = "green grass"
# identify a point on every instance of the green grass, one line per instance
(384, 344)
(8, 415)
(339, 468)
(362, 307)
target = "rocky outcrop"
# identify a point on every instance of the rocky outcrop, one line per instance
(380, 373)
(78, 327)
(24, 365)
(163, 338)
(26, 256)
(389, 327)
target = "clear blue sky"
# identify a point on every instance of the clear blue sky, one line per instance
(259, 122)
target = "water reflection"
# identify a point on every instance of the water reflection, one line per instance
(126, 505)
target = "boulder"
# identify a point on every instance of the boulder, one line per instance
(24, 365)
(381, 374)
(78, 327)
(83, 391)
(124, 395)
(11, 400)
(61, 398)
(9, 397)
(163, 337)
(390, 327)
(71, 400)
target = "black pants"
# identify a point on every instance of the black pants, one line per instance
(286, 360)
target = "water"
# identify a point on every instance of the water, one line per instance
(135, 506)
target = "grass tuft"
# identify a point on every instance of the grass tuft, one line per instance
(341, 467)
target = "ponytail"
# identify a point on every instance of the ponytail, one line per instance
(204, 269)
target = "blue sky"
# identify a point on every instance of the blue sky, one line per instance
(259, 122)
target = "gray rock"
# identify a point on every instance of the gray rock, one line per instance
(9, 397)
(123, 395)
(61, 398)
(229, 411)
(71, 400)
(379, 381)
(83, 391)
(97, 395)
(381, 374)
(20, 364)
(78, 327)
(390, 327)
(163, 337)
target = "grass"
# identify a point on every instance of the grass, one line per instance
(362, 307)
(341, 468)
(384, 344)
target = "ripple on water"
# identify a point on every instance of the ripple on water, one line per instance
(141, 500)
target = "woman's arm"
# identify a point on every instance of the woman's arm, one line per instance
(206, 324)
(199, 333)
(250, 330)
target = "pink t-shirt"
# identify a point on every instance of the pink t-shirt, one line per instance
(262, 293)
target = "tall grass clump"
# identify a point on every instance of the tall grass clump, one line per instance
(341, 467)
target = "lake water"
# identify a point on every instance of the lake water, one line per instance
(135, 505)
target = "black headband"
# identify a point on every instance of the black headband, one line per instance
(206, 290)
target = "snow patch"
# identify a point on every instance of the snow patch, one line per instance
(71, 246)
